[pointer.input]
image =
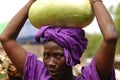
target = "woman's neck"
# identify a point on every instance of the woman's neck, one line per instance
(67, 76)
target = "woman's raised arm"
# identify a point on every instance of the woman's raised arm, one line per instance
(8, 38)
(104, 57)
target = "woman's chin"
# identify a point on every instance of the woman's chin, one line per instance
(53, 74)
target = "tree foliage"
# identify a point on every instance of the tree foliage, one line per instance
(94, 41)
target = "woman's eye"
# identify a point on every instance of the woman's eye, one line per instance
(45, 55)
(59, 55)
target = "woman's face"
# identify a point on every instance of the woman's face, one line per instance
(54, 59)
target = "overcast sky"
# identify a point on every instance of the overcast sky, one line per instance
(8, 9)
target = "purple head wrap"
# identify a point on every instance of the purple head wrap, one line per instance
(71, 39)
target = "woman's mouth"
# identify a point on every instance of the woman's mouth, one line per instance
(52, 72)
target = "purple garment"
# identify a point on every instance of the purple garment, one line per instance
(73, 41)
(36, 70)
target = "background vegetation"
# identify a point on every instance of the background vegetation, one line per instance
(94, 41)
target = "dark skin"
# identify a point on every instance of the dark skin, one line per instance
(104, 55)
(54, 59)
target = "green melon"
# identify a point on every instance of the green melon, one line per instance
(63, 13)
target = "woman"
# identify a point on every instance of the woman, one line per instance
(58, 54)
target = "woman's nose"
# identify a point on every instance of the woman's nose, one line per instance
(51, 62)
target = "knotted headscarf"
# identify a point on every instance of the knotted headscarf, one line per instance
(73, 41)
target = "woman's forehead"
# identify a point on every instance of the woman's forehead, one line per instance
(51, 44)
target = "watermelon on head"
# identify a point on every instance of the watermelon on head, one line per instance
(63, 13)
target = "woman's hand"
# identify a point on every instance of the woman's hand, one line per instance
(33, 0)
(94, 1)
